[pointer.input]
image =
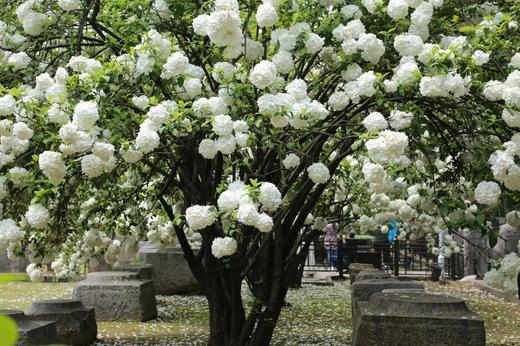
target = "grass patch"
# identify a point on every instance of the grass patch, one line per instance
(14, 277)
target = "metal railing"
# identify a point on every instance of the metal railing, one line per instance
(410, 258)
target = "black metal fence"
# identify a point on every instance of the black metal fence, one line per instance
(410, 258)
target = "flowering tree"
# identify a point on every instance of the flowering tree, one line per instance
(128, 120)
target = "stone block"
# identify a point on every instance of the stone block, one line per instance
(145, 271)
(363, 290)
(118, 296)
(355, 268)
(75, 323)
(32, 332)
(417, 319)
(372, 275)
(172, 274)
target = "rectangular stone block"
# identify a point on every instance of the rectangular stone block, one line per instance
(118, 296)
(75, 323)
(32, 332)
(417, 319)
(363, 290)
(171, 272)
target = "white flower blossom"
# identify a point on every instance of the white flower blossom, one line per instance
(318, 173)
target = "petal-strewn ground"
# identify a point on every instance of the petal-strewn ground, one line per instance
(315, 315)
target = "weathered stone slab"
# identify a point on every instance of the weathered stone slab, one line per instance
(75, 323)
(355, 268)
(362, 291)
(32, 332)
(507, 241)
(372, 275)
(118, 296)
(145, 271)
(475, 244)
(417, 319)
(172, 274)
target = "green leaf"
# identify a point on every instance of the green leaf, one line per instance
(8, 331)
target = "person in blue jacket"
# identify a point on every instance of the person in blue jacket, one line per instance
(393, 231)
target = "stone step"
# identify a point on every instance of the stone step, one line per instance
(32, 332)
(75, 323)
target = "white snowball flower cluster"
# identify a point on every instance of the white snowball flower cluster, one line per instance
(397, 9)
(371, 5)
(400, 120)
(205, 108)
(176, 65)
(318, 173)
(375, 122)
(515, 61)
(18, 176)
(284, 61)
(221, 26)
(291, 161)
(230, 135)
(223, 71)
(408, 44)
(60, 267)
(82, 64)
(19, 60)
(199, 217)
(354, 90)
(266, 14)
(487, 192)
(448, 85)
(113, 251)
(263, 74)
(53, 89)
(448, 247)
(509, 91)
(9, 233)
(148, 139)
(160, 233)
(69, 5)
(33, 22)
(37, 216)
(351, 12)
(375, 175)
(236, 198)
(480, 58)
(222, 247)
(141, 102)
(388, 147)
(52, 166)
(7, 105)
(294, 108)
(287, 38)
(160, 7)
(372, 48)
(101, 160)
(34, 272)
(229, 200)
(513, 218)
(14, 140)
(270, 197)
(85, 115)
(505, 278)
(511, 117)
